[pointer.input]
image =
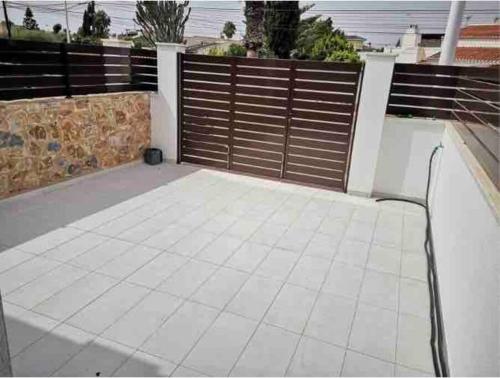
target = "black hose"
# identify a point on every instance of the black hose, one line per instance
(439, 358)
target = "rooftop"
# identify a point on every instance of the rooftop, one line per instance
(480, 55)
(486, 31)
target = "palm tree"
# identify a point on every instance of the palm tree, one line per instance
(254, 14)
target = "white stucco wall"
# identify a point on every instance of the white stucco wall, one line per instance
(467, 247)
(404, 153)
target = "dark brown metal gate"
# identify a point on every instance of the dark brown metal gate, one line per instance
(285, 119)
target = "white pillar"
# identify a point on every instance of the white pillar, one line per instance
(450, 41)
(370, 122)
(164, 105)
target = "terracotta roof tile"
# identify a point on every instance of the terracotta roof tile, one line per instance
(491, 31)
(472, 54)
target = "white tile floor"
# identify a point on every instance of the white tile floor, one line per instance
(221, 274)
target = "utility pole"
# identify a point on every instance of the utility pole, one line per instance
(68, 39)
(7, 22)
(450, 41)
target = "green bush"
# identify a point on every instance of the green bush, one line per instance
(216, 51)
(236, 50)
(233, 50)
(21, 33)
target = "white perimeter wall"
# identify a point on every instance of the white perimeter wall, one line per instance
(404, 154)
(467, 247)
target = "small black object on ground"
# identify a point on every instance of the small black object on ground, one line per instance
(153, 156)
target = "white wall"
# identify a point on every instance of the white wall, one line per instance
(404, 153)
(467, 247)
(161, 134)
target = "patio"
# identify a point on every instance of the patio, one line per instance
(200, 272)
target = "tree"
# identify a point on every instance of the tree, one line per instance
(95, 25)
(229, 29)
(101, 24)
(281, 23)
(87, 28)
(56, 28)
(162, 21)
(254, 16)
(29, 21)
(319, 40)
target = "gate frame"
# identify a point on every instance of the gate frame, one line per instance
(289, 112)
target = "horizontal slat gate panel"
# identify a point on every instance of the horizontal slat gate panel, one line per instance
(320, 145)
(205, 154)
(42, 69)
(322, 181)
(31, 70)
(206, 138)
(17, 93)
(320, 163)
(320, 135)
(206, 113)
(204, 146)
(259, 171)
(475, 72)
(260, 100)
(262, 82)
(258, 137)
(469, 95)
(257, 162)
(213, 78)
(328, 66)
(323, 96)
(30, 57)
(206, 68)
(206, 95)
(207, 130)
(206, 86)
(320, 126)
(321, 154)
(260, 110)
(322, 106)
(36, 81)
(203, 161)
(255, 118)
(263, 71)
(257, 153)
(206, 104)
(268, 112)
(315, 171)
(258, 145)
(327, 76)
(203, 121)
(260, 128)
(327, 117)
(325, 86)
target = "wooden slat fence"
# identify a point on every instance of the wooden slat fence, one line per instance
(276, 118)
(38, 69)
(470, 95)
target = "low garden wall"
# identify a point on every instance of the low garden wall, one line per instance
(43, 141)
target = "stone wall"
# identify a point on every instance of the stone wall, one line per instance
(43, 141)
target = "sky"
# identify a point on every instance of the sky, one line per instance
(380, 22)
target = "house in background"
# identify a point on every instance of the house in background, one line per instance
(356, 41)
(201, 44)
(415, 47)
(478, 45)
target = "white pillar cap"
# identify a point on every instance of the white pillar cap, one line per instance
(375, 55)
(177, 47)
